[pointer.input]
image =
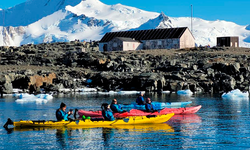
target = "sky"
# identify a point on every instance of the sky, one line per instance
(237, 11)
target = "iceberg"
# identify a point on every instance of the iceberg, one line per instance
(235, 94)
(185, 92)
(39, 99)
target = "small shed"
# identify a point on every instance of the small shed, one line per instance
(230, 41)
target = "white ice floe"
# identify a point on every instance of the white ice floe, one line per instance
(28, 98)
(87, 90)
(235, 94)
(17, 90)
(64, 90)
(120, 92)
(185, 92)
(165, 92)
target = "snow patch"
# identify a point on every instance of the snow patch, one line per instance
(235, 94)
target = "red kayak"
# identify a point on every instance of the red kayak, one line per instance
(176, 111)
(136, 112)
(98, 113)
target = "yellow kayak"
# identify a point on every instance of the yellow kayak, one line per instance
(99, 123)
(136, 127)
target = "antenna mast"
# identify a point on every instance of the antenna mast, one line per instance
(192, 19)
(3, 16)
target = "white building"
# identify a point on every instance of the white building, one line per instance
(169, 38)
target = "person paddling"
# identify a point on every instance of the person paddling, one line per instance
(61, 113)
(149, 106)
(115, 107)
(106, 113)
(140, 99)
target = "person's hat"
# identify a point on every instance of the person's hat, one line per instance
(105, 105)
(62, 105)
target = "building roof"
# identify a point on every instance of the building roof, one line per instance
(167, 33)
(125, 39)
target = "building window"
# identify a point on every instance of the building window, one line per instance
(159, 43)
(231, 44)
(114, 44)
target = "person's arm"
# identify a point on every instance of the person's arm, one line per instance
(146, 106)
(110, 116)
(118, 109)
(153, 106)
(142, 100)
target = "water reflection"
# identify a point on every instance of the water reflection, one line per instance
(107, 134)
(188, 118)
(63, 136)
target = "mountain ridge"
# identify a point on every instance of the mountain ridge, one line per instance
(65, 20)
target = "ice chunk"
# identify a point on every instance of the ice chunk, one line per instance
(40, 98)
(235, 94)
(185, 92)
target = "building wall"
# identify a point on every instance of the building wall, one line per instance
(119, 45)
(187, 40)
(161, 44)
(101, 46)
(115, 45)
(234, 41)
(131, 46)
(223, 41)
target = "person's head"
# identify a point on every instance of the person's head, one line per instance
(63, 106)
(114, 101)
(141, 93)
(105, 106)
(148, 100)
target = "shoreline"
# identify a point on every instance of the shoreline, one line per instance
(205, 70)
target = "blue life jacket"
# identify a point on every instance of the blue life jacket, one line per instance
(149, 107)
(116, 108)
(140, 100)
(61, 115)
(108, 115)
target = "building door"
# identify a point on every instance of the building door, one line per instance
(105, 47)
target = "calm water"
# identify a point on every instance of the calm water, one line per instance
(220, 124)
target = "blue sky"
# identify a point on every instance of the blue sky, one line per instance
(237, 11)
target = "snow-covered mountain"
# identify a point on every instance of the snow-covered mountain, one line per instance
(38, 21)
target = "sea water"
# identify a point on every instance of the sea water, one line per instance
(219, 124)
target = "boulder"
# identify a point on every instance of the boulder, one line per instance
(7, 88)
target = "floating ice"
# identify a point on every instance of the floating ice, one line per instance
(120, 92)
(235, 94)
(185, 92)
(165, 92)
(17, 90)
(27, 98)
(64, 90)
(87, 90)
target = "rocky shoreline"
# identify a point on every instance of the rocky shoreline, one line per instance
(74, 65)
